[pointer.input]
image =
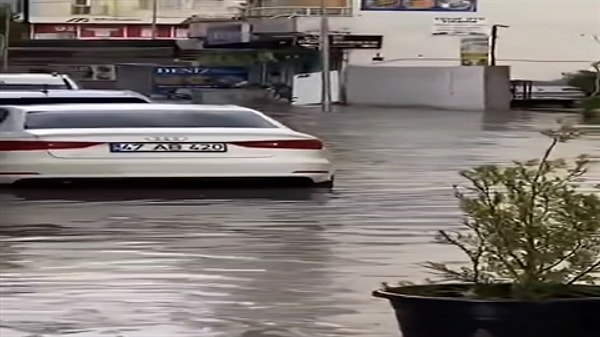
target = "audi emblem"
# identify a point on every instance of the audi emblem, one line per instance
(166, 139)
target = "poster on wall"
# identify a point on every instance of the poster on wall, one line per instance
(459, 26)
(420, 5)
(474, 51)
(170, 78)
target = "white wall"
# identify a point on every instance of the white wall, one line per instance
(460, 88)
(541, 30)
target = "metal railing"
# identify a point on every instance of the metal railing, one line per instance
(257, 12)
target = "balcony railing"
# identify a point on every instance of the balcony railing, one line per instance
(292, 11)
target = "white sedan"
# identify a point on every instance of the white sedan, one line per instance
(72, 142)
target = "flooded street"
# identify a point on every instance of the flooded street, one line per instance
(268, 263)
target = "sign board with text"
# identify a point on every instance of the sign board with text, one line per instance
(169, 78)
(419, 5)
(459, 26)
(474, 51)
(344, 41)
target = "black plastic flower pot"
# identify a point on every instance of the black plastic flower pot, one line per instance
(442, 311)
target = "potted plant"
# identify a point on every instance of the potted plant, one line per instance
(532, 238)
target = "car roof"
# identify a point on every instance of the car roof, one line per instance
(41, 78)
(69, 93)
(131, 107)
(29, 75)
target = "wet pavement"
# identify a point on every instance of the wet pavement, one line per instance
(268, 263)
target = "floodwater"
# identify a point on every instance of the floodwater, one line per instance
(269, 263)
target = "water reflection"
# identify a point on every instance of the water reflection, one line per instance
(169, 194)
(254, 263)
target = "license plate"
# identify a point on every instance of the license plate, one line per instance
(168, 147)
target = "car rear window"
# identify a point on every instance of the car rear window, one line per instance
(69, 100)
(29, 86)
(145, 119)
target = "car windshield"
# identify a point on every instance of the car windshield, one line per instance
(69, 100)
(73, 119)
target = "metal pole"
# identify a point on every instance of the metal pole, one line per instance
(6, 37)
(494, 43)
(325, 60)
(154, 18)
(494, 39)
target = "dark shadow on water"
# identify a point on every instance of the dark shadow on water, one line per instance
(502, 120)
(169, 194)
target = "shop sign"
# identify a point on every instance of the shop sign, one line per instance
(459, 26)
(419, 5)
(344, 41)
(169, 78)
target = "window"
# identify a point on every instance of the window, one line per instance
(3, 115)
(81, 7)
(73, 119)
(173, 4)
(29, 87)
(69, 100)
(81, 10)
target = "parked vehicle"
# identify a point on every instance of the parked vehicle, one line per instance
(63, 96)
(71, 142)
(37, 81)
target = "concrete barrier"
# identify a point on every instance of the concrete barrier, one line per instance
(461, 88)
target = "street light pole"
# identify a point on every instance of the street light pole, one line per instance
(493, 43)
(325, 60)
(154, 18)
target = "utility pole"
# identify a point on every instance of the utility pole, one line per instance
(325, 60)
(154, 18)
(596, 66)
(6, 10)
(493, 43)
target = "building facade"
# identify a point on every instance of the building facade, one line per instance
(121, 19)
(543, 38)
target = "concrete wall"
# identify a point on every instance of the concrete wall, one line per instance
(497, 88)
(462, 88)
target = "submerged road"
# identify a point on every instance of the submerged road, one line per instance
(268, 263)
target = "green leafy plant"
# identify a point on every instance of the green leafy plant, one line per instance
(591, 110)
(584, 80)
(527, 225)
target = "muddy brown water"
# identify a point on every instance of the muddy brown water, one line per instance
(256, 263)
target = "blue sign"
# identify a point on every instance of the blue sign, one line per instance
(227, 34)
(419, 5)
(170, 78)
